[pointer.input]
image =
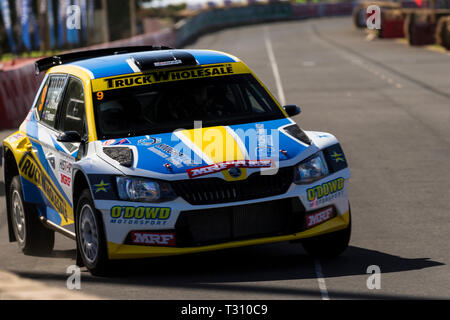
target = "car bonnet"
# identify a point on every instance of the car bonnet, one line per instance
(250, 145)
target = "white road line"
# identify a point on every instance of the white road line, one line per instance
(276, 73)
(321, 280)
(274, 65)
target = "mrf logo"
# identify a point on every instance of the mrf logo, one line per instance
(217, 167)
(373, 13)
(316, 218)
(152, 238)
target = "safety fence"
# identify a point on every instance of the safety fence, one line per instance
(18, 84)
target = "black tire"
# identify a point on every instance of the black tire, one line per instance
(329, 245)
(91, 240)
(32, 236)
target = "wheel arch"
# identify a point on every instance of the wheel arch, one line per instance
(10, 170)
(80, 182)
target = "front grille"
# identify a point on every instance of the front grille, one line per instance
(264, 219)
(216, 190)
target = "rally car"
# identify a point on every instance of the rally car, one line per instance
(151, 151)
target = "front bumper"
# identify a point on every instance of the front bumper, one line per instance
(124, 251)
(171, 215)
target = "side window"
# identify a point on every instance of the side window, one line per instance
(72, 108)
(50, 98)
(257, 102)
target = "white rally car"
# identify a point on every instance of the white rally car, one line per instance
(149, 151)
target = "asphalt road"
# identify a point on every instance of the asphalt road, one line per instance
(389, 104)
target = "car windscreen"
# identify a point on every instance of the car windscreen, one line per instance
(165, 107)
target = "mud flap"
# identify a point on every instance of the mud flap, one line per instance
(79, 261)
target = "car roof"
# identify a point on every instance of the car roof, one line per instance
(115, 65)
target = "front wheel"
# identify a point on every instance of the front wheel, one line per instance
(90, 235)
(329, 245)
(31, 235)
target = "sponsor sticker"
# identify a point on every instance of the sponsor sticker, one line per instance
(140, 215)
(217, 167)
(114, 142)
(264, 142)
(337, 157)
(326, 191)
(101, 187)
(66, 179)
(15, 137)
(149, 141)
(167, 63)
(153, 238)
(318, 217)
(32, 171)
(166, 76)
(177, 158)
(65, 166)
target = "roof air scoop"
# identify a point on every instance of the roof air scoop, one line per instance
(163, 59)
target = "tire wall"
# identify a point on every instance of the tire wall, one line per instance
(421, 26)
(443, 32)
(392, 21)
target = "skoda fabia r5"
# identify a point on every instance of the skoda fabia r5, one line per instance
(151, 151)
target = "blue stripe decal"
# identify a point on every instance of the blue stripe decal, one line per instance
(117, 65)
(106, 66)
(155, 156)
(57, 146)
(32, 128)
(31, 193)
(53, 215)
(210, 57)
(265, 140)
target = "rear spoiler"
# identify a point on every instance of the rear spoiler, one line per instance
(46, 63)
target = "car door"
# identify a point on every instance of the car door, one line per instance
(62, 110)
(71, 117)
(58, 207)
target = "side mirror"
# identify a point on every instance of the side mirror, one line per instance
(292, 109)
(69, 136)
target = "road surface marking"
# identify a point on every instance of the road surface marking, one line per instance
(274, 65)
(321, 280)
(276, 73)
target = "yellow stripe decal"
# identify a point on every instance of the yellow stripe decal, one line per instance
(31, 170)
(217, 145)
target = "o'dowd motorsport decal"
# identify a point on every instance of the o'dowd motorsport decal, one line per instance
(326, 191)
(139, 215)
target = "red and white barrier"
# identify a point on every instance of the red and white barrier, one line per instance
(19, 85)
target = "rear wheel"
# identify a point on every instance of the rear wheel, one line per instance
(329, 245)
(31, 235)
(90, 236)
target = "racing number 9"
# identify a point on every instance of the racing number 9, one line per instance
(100, 95)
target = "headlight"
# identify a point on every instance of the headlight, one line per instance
(145, 190)
(311, 169)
